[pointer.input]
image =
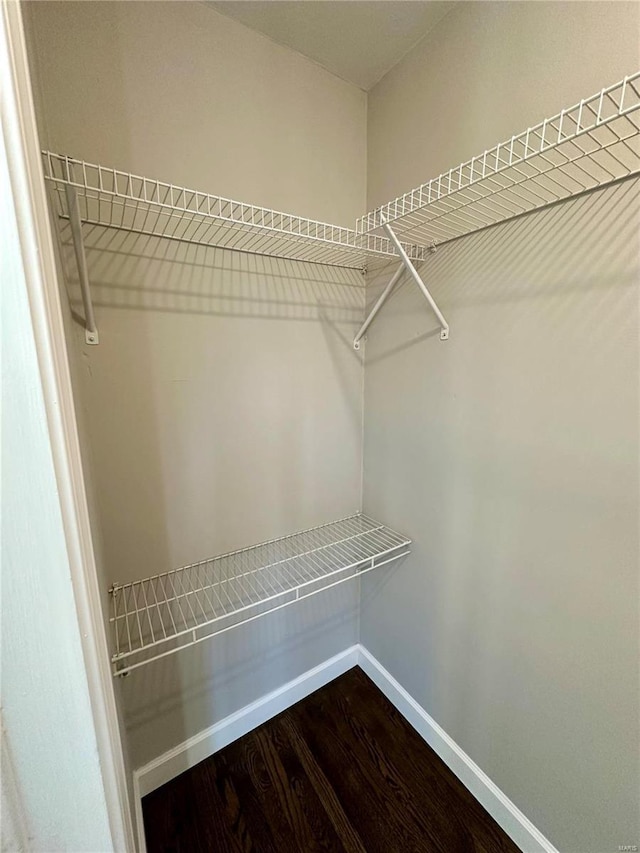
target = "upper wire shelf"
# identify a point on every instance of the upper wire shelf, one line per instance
(160, 615)
(592, 144)
(588, 145)
(115, 199)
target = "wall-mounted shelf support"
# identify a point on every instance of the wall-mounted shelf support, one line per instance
(415, 275)
(413, 272)
(380, 302)
(91, 330)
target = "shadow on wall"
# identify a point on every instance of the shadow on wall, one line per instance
(223, 407)
(509, 455)
(575, 246)
(539, 375)
(200, 411)
(169, 700)
(133, 271)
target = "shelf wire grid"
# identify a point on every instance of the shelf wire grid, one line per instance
(162, 614)
(586, 146)
(115, 199)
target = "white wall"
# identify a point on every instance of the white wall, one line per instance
(510, 453)
(53, 796)
(223, 405)
(176, 91)
(489, 70)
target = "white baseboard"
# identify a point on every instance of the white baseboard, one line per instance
(210, 740)
(507, 815)
(137, 815)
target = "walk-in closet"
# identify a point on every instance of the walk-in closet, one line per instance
(350, 306)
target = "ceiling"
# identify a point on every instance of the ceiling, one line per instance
(358, 40)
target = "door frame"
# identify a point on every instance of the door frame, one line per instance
(25, 169)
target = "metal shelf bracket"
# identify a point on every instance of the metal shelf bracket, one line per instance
(405, 264)
(91, 330)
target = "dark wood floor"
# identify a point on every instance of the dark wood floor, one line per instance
(339, 771)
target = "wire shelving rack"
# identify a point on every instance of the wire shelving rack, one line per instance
(114, 199)
(160, 615)
(593, 143)
(589, 145)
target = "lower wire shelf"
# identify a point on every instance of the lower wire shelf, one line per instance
(160, 615)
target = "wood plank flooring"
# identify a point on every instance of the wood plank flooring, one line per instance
(340, 771)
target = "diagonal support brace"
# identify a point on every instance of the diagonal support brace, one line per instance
(413, 272)
(406, 264)
(91, 330)
(379, 303)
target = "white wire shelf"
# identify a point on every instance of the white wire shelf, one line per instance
(160, 615)
(115, 199)
(588, 145)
